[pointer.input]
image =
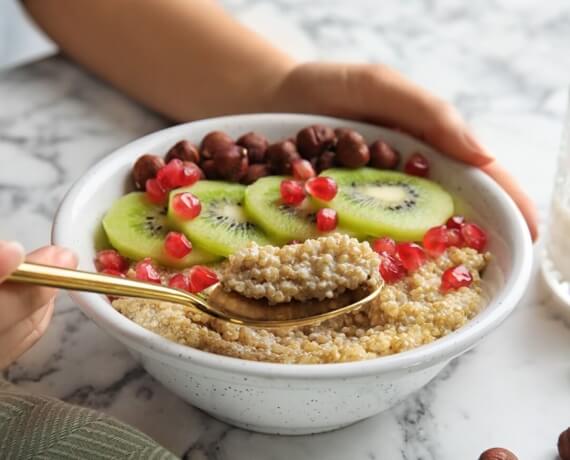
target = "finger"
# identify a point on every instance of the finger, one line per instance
(11, 255)
(510, 185)
(389, 98)
(20, 300)
(23, 335)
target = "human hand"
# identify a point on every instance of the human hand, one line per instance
(381, 95)
(25, 311)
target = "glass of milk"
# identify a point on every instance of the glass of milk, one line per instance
(556, 261)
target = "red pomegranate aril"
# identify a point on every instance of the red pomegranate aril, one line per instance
(179, 281)
(186, 205)
(455, 222)
(109, 259)
(474, 236)
(112, 272)
(302, 170)
(201, 277)
(169, 176)
(454, 238)
(455, 278)
(417, 165)
(292, 192)
(189, 175)
(177, 245)
(155, 192)
(391, 269)
(411, 255)
(384, 245)
(327, 220)
(322, 187)
(435, 240)
(145, 271)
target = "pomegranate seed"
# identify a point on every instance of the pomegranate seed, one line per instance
(391, 269)
(454, 238)
(384, 245)
(189, 175)
(177, 245)
(186, 205)
(292, 192)
(201, 277)
(417, 165)
(327, 220)
(455, 277)
(179, 281)
(435, 240)
(169, 176)
(302, 170)
(109, 259)
(112, 272)
(145, 271)
(474, 236)
(411, 255)
(155, 192)
(322, 187)
(455, 222)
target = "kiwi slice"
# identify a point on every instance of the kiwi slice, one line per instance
(136, 228)
(282, 222)
(222, 226)
(388, 203)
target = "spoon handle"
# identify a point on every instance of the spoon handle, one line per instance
(76, 280)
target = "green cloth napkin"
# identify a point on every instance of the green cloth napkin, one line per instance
(40, 427)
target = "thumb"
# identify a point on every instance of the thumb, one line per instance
(11, 255)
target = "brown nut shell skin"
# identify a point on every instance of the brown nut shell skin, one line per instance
(327, 160)
(231, 162)
(256, 145)
(564, 445)
(254, 172)
(281, 155)
(314, 140)
(351, 150)
(209, 169)
(146, 167)
(212, 142)
(498, 453)
(183, 150)
(383, 156)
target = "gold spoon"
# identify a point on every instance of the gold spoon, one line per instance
(228, 307)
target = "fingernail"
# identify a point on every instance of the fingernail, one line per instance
(65, 256)
(476, 147)
(13, 246)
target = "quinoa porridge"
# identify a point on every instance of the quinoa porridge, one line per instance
(407, 314)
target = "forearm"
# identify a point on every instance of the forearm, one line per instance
(185, 59)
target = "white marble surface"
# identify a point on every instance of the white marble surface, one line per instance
(504, 63)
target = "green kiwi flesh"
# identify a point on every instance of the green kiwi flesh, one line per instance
(388, 203)
(137, 228)
(222, 227)
(283, 223)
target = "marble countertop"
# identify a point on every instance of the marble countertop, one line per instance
(503, 63)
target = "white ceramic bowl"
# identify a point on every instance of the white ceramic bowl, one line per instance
(286, 398)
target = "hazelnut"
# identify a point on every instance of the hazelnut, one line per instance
(351, 150)
(383, 156)
(145, 168)
(281, 155)
(254, 172)
(497, 453)
(564, 445)
(209, 169)
(184, 151)
(231, 162)
(214, 141)
(314, 140)
(325, 161)
(340, 131)
(256, 146)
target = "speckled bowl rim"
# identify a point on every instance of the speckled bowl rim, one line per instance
(441, 350)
